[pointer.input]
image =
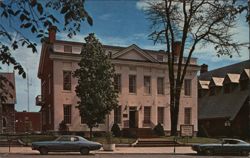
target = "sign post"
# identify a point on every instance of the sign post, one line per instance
(187, 131)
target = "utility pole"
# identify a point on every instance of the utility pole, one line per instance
(28, 91)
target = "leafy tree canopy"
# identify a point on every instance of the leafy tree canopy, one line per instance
(95, 87)
(21, 17)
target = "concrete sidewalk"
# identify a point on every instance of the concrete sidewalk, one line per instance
(119, 150)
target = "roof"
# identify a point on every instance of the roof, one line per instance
(221, 106)
(234, 78)
(222, 72)
(217, 81)
(9, 89)
(204, 84)
(247, 71)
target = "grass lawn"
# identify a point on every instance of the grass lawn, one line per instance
(120, 140)
(193, 140)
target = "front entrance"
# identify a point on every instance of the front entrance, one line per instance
(133, 117)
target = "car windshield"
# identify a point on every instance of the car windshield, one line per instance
(233, 141)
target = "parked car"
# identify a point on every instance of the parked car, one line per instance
(226, 146)
(66, 143)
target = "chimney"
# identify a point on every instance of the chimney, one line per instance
(204, 68)
(52, 33)
(176, 48)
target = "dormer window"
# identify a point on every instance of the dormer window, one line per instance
(244, 84)
(227, 88)
(160, 58)
(68, 48)
(212, 91)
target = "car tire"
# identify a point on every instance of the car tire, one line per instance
(84, 151)
(43, 151)
(244, 153)
(209, 152)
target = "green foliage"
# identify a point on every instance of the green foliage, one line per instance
(63, 128)
(159, 130)
(95, 87)
(109, 138)
(116, 130)
(22, 17)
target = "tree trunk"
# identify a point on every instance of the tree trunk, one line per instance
(174, 111)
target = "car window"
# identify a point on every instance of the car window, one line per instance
(63, 139)
(74, 139)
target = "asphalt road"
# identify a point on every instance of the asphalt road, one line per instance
(77, 155)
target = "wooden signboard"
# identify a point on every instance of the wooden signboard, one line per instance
(187, 130)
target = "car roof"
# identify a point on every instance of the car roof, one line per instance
(234, 140)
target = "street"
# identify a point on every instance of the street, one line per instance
(112, 155)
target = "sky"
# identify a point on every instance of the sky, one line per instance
(118, 23)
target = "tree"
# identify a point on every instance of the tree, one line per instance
(191, 22)
(95, 87)
(21, 17)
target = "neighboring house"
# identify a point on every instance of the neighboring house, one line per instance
(7, 107)
(141, 79)
(28, 122)
(224, 105)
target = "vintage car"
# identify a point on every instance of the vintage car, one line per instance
(66, 143)
(226, 146)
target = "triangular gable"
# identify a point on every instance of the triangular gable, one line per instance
(245, 75)
(232, 78)
(133, 52)
(216, 81)
(204, 84)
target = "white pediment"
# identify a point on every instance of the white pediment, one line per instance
(133, 52)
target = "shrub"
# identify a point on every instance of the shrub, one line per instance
(63, 128)
(116, 130)
(159, 130)
(109, 138)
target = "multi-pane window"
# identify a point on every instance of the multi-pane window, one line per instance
(147, 114)
(49, 112)
(66, 80)
(117, 83)
(4, 122)
(67, 48)
(83, 120)
(160, 115)
(67, 113)
(49, 87)
(187, 87)
(160, 85)
(117, 115)
(160, 57)
(187, 116)
(132, 84)
(147, 84)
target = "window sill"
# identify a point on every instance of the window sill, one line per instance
(66, 91)
(161, 95)
(147, 94)
(132, 94)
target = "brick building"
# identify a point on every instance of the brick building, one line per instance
(28, 122)
(224, 101)
(8, 101)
